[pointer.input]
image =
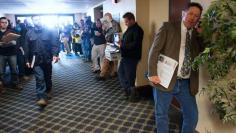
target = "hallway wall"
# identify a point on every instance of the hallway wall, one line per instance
(150, 15)
(119, 9)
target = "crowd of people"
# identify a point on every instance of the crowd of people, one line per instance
(38, 47)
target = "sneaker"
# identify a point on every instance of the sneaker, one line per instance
(42, 102)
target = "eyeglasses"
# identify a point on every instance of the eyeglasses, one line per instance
(3, 22)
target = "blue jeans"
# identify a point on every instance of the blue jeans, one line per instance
(43, 76)
(188, 107)
(12, 62)
(86, 47)
(127, 72)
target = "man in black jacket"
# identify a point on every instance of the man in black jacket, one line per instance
(131, 51)
(41, 48)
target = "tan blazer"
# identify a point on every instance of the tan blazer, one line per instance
(167, 42)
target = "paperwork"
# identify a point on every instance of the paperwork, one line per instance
(6, 39)
(165, 68)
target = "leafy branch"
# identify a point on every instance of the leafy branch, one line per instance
(219, 34)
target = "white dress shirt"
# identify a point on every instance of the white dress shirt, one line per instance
(182, 50)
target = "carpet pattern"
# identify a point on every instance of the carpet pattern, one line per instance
(80, 104)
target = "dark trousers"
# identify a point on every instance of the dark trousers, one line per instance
(21, 64)
(127, 72)
(43, 76)
(77, 48)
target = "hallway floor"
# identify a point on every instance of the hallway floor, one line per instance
(80, 104)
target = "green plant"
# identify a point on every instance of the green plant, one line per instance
(219, 34)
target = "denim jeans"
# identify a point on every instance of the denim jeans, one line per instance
(43, 76)
(127, 72)
(188, 107)
(87, 48)
(12, 62)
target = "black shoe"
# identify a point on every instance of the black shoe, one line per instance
(99, 78)
(18, 87)
(49, 95)
(126, 95)
(96, 71)
(114, 75)
(134, 97)
(2, 89)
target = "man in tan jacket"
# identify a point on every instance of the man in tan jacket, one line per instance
(180, 42)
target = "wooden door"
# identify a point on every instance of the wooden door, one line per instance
(175, 9)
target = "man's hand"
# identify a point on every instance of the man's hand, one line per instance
(119, 43)
(97, 33)
(154, 79)
(13, 42)
(55, 59)
(28, 64)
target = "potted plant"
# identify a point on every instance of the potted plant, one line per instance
(219, 34)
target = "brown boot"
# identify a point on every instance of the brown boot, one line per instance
(42, 102)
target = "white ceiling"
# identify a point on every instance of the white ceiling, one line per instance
(46, 6)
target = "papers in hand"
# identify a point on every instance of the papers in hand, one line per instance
(33, 61)
(112, 52)
(165, 68)
(9, 37)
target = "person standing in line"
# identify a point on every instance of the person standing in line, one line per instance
(179, 41)
(110, 27)
(8, 55)
(131, 52)
(98, 50)
(41, 48)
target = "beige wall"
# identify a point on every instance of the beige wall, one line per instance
(119, 9)
(143, 18)
(150, 15)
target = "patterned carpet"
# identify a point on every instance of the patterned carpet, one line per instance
(80, 104)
